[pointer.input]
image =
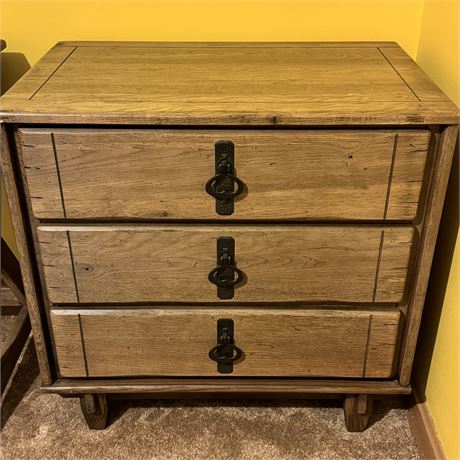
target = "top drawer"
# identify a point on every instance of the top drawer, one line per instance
(162, 174)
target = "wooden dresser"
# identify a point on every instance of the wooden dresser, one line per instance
(207, 219)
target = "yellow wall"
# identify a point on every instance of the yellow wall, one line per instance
(31, 27)
(438, 54)
(425, 29)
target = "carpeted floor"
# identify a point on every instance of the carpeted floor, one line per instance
(45, 427)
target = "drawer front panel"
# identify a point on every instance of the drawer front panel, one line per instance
(288, 174)
(170, 342)
(146, 263)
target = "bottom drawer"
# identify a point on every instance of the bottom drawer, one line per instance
(176, 342)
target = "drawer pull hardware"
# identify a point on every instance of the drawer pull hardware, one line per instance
(226, 275)
(222, 185)
(225, 353)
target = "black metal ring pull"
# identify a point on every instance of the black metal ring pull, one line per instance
(225, 353)
(224, 274)
(222, 186)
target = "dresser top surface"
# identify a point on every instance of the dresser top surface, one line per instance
(225, 84)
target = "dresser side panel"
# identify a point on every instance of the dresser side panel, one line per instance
(438, 187)
(18, 216)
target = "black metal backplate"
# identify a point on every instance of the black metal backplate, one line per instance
(225, 150)
(225, 325)
(226, 244)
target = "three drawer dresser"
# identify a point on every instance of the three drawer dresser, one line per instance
(204, 219)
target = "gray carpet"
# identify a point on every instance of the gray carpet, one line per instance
(42, 426)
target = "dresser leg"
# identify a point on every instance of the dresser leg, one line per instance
(94, 408)
(358, 409)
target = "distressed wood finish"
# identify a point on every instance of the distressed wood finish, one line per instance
(72, 348)
(13, 345)
(11, 273)
(315, 174)
(345, 150)
(357, 409)
(19, 332)
(440, 178)
(288, 343)
(201, 387)
(239, 84)
(9, 302)
(172, 262)
(58, 267)
(407, 177)
(25, 257)
(95, 410)
(41, 172)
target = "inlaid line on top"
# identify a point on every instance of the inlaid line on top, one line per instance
(400, 76)
(54, 71)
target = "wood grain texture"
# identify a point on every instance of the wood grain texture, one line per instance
(314, 174)
(419, 83)
(72, 358)
(145, 263)
(438, 187)
(161, 342)
(235, 386)
(19, 331)
(25, 257)
(41, 173)
(357, 410)
(26, 87)
(13, 346)
(95, 410)
(382, 346)
(58, 267)
(8, 299)
(11, 273)
(337, 165)
(270, 84)
(407, 175)
(255, 75)
(393, 265)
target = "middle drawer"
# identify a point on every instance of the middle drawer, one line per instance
(147, 263)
